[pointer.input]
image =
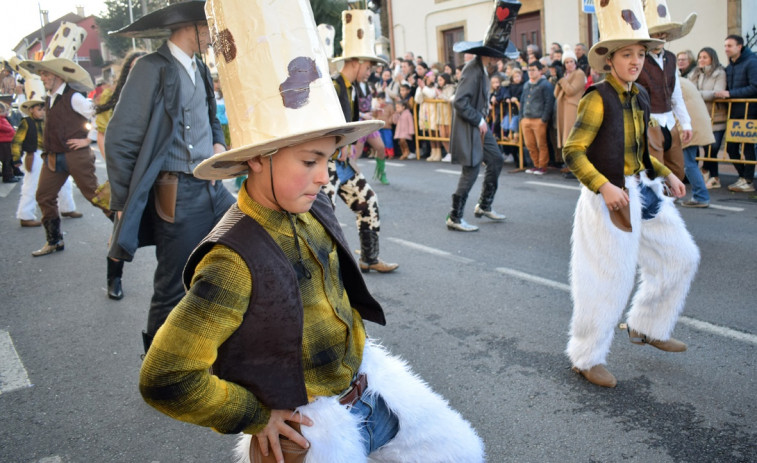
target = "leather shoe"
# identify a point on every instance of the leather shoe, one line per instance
(11, 180)
(115, 291)
(598, 375)
(72, 214)
(379, 266)
(491, 213)
(671, 345)
(462, 225)
(49, 249)
(31, 223)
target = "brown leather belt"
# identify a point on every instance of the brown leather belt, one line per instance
(355, 391)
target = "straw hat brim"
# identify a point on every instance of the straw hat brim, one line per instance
(233, 163)
(26, 105)
(675, 30)
(604, 48)
(374, 59)
(70, 72)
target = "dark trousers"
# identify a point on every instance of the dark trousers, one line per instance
(712, 166)
(746, 171)
(199, 206)
(494, 160)
(7, 159)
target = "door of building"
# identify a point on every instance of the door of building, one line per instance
(450, 36)
(527, 30)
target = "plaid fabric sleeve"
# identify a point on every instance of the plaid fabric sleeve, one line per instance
(175, 376)
(18, 140)
(590, 116)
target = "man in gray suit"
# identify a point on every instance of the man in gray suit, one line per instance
(471, 142)
(163, 126)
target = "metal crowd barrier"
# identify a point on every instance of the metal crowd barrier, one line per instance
(434, 135)
(739, 131)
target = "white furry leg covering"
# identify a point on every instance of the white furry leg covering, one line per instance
(602, 272)
(430, 431)
(668, 261)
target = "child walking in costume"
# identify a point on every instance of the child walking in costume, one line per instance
(623, 220)
(269, 340)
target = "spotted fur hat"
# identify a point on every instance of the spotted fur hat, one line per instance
(359, 37)
(59, 55)
(621, 23)
(658, 20)
(291, 98)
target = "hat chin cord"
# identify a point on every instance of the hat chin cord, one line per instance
(300, 263)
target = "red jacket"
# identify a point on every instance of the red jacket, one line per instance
(6, 131)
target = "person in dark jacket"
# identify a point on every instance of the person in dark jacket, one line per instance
(741, 82)
(163, 126)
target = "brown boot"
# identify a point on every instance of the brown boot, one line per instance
(404, 148)
(369, 250)
(671, 345)
(598, 375)
(54, 238)
(72, 214)
(379, 266)
(31, 223)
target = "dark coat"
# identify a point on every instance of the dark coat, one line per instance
(144, 124)
(471, 103)
(741, 82)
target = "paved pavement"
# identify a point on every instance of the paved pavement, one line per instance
(482, 317)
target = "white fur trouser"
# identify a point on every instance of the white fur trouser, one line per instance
(603, 266)
(430, 431)
(27, 204)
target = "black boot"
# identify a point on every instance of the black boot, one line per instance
(54, 238)
(115, 270)
(369, 250)
(484, 206)
(455, 218)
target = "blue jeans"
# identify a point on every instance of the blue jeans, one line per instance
(699, 191)
(379, 425)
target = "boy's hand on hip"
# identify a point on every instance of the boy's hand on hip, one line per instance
(276, 427)
(614, 197)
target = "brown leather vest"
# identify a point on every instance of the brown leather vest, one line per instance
(265, 353)
(605, 152)
(659, 83)
(62, 123)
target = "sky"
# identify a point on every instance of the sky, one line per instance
(21, 17)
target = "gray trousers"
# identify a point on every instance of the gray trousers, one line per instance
(199, 206)
(494, 160)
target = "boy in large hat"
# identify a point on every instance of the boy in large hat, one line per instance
(269, 340)
(471, 142)
(347, 182)
(623, 221)
(28, 143)
(660, 79)
(164, 126)
(66, 142)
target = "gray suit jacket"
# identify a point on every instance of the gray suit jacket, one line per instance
(144, 124)
(469, 106)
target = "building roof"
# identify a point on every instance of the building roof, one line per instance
(49, 29)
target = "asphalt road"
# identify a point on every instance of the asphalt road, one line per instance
(482, 317)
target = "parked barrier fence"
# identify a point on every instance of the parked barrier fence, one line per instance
(500, 134)
(739, 131)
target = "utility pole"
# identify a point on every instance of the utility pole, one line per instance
(131, 19)
(148, 42)
(42, 28)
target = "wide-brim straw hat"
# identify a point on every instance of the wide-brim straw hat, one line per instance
(496, 42)
(59, 55)
(621, 23)
(359, 37)
(35, 94)
(292, 98)
(159, 23)
(659, 20)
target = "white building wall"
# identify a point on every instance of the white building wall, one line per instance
(560, 22)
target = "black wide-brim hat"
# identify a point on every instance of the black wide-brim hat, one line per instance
(496, 42)
(160, 23)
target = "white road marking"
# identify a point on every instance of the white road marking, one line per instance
(53, 459)
(691, 322)
(554, 185)
(447, 171)
(6, 188)
(430, 250)
(726, 208)
(12, 373)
